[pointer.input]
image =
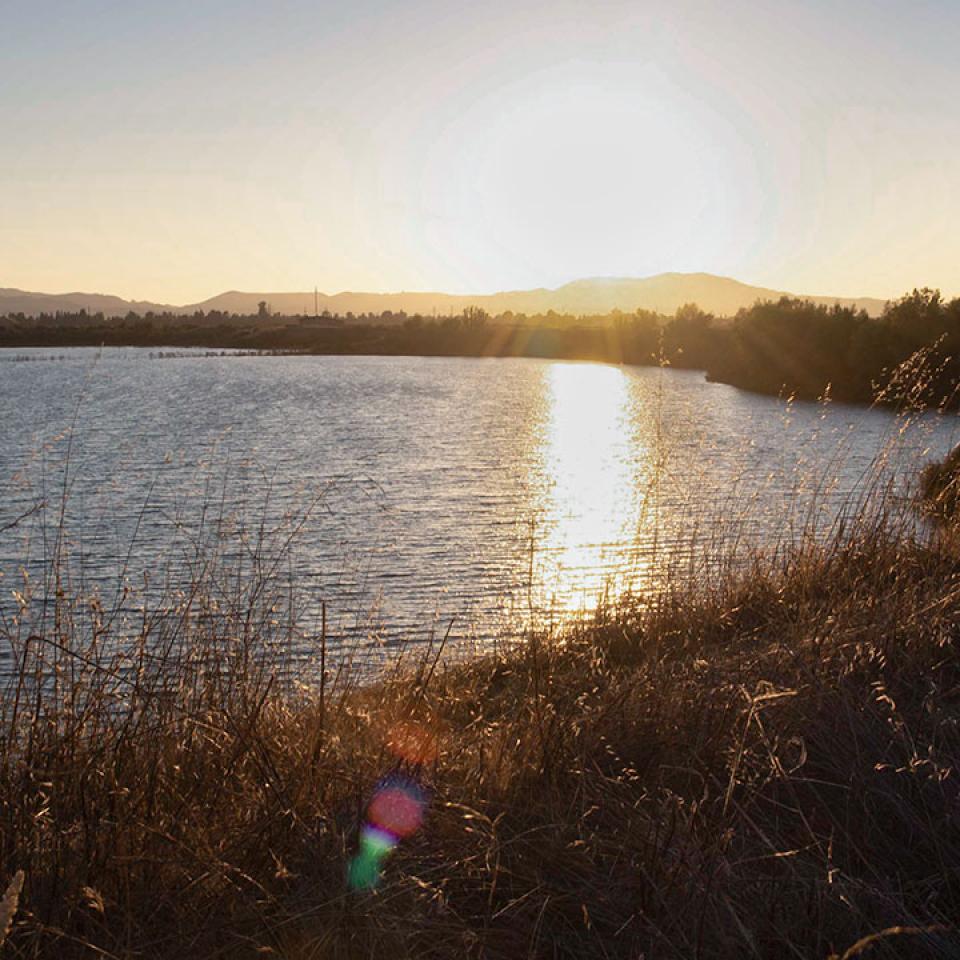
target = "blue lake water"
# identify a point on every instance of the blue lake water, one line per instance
(407, 494)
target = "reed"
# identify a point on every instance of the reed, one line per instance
(765, 767)
(758, 763)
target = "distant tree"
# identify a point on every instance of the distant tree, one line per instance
(688, 338)
(475, 318)
(262, 309)
(920, 317)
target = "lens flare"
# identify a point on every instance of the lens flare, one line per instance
(413, 742)
(395, 811)
(376, 842)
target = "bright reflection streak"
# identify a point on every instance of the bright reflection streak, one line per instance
(595, 471)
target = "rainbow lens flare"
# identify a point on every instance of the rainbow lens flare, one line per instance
(394, 812)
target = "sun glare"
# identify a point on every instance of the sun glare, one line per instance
(592, 496)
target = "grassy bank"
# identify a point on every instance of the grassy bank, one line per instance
(765, 768)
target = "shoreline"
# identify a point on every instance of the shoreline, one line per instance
(243, 347)
(766, 766)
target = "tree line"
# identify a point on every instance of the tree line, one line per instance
(789, 346)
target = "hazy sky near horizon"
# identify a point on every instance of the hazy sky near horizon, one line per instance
(171, 150)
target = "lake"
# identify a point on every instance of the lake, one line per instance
(409, 494)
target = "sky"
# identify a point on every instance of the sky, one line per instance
(172, 150)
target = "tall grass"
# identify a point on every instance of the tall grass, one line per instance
(764, 768)
(763, 763)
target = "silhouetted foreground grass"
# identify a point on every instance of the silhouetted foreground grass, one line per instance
(940, 486)
(767, 768)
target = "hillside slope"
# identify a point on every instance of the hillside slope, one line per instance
(662, 293)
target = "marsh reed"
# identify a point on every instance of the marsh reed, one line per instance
(764, 764)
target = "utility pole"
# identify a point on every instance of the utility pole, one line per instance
(316, 304)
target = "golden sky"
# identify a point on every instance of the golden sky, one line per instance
(171, 150)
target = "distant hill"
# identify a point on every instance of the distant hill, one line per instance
(663, 293)
(21, 301)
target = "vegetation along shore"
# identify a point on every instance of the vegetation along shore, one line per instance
(764, 766)
(790, 346)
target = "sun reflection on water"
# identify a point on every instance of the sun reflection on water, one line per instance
(595, 494)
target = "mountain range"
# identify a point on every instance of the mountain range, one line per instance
(664, 293)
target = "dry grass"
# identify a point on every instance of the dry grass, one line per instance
(763, 766)
(767, 768)
(939, 494)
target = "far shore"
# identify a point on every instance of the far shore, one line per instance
(790, 347)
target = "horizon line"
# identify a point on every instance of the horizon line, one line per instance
(446, 293)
